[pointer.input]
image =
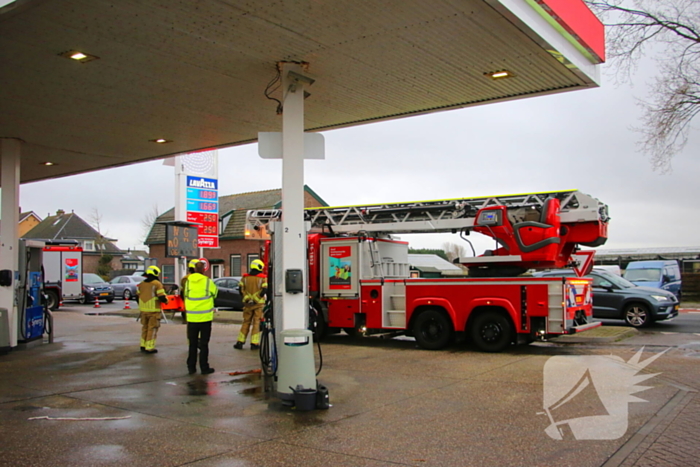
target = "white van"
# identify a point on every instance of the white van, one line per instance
(610, 269)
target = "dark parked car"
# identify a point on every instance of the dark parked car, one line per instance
(229, 296)
(95, 287)
(615, 297)
(125, 286)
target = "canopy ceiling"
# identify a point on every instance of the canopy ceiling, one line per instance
(195, 72)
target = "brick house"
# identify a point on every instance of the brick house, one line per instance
(69, 226)
(235, 253)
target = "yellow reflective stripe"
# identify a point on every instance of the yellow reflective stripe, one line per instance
(189, 312)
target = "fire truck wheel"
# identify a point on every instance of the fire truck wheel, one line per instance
(637, 315)
(491, 332)
(52, 299)
(432, 330)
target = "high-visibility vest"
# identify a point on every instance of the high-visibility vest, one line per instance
(148, 293)
(199, 298)
(252, 287)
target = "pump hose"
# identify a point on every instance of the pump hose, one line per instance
(268, 349)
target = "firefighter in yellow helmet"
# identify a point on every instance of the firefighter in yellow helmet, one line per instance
(150, 294)
(200, 292)
(253, 288)
(190, 271)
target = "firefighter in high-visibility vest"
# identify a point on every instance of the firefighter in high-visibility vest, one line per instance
(253, 288)
(199, 294)
(190, 271)
(150, 293)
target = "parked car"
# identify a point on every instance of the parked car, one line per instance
(95, 287)
(615, 297)
(125, 286)
(659, 274)
(228, 296)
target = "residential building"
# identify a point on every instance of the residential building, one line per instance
(69, 226)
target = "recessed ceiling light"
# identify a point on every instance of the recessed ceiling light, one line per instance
(47, 163)
(78, 56)
(499, 74)
(160, 140)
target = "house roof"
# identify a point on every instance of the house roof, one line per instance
(232, 207)
(25, 215)
(69, 226)
(428, 262)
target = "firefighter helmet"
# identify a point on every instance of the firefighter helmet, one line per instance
(153, 270)
(192, 263)
(257, 264)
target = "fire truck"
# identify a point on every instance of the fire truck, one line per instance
(359, 279)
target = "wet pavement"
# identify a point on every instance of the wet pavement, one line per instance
(392, 404)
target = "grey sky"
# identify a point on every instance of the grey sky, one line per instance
(580, 139)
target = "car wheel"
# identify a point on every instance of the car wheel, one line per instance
(432, 330)
(110, 299)
(127, 294)
(637, 315)
(52, 300)
(491, 332)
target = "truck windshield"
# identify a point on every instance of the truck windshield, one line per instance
(643, 275)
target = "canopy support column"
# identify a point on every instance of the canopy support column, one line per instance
(9, 229)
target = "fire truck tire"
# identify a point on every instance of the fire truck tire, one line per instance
(433, 330)
(637, 315)
(491, 332)
(52, 299)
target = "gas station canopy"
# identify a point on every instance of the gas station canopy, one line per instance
(195, 73)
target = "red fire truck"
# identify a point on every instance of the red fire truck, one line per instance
(359, 276)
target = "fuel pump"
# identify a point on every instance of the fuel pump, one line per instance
(31, 308)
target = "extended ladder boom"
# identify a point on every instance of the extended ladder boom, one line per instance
(449, 215)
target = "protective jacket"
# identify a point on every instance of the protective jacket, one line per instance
(150, 293)
(253, 287)
(199, 295)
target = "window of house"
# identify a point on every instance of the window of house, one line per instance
(235, 265)
(216, 271)
(89, 245)
(168, 273)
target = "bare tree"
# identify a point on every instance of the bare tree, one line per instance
(104, 265)
(454, 250)
(148, 220)
(636, 26)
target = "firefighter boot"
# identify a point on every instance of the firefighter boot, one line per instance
(254, 346)
(238, 345)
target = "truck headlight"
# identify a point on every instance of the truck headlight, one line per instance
(661, 298)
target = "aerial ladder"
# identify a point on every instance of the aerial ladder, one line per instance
(532, 231)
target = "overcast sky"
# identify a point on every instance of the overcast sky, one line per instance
(580, 139)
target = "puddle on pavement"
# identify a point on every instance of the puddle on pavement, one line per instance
(203, 387)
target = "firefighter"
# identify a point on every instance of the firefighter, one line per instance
(253, 288)
(190, 271)
(199, 293)
(150, 294)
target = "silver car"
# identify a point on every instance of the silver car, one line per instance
(125, 286)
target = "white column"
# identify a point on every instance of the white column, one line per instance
(180, 210)
(9, 227)
(293, 234)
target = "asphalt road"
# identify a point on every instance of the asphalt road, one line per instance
(685, 322)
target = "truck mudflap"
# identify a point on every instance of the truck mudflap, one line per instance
(583, 327)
